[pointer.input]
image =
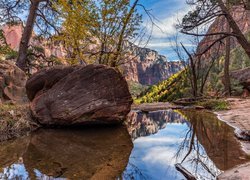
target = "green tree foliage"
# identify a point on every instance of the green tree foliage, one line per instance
(40, 14)
(79, 18)
(96, 31)
(239, 60)
(171, 89)
(5, 51)
(136, 89)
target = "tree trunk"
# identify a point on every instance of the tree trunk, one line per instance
(121, 36)
(24, 44)
(184, 172)
(236, 30)
(193, 74)
(227, 83)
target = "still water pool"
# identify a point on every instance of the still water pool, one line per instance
(148, 147)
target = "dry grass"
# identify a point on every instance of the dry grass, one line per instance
(15, 120)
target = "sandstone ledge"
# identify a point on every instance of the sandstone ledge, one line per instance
(155, 106)
(240, 173)
(238, 116)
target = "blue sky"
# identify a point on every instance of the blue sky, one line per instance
(168, 12)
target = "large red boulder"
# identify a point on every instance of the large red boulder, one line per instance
(94, 94)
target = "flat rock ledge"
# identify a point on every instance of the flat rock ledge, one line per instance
(78, 95)
(241, 172)
(146, 107)
(238, 116)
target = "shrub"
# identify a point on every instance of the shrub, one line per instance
(214, 104)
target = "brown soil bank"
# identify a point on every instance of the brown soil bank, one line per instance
(239, 117)
(15, 121)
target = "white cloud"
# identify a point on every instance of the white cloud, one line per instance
(157, 140)
(166, 26)
(162, 45)
(161, 155)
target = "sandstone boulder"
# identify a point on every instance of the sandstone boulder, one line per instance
(94, 94)
(243, 76)
(46, 78)
(12, 82)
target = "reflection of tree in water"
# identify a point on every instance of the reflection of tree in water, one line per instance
(191, 153)
(134, 172)
(207, 147)
(144, 124)
(209, 144)
(15, 171)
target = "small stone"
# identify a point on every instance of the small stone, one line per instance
(12, 113)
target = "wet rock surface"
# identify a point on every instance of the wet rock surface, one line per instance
(238, 116)
(94, 94)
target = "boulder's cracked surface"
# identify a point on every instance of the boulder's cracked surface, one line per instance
(94, 94)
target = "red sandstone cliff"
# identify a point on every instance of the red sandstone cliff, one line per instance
(240, 15)
(146, 67)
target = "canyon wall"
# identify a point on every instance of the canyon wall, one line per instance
(144, 66)
(242, 18)
(148, 67)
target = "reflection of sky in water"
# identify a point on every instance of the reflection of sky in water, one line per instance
(40, 175)
(18, 171)
(154, 157)
(15, 171)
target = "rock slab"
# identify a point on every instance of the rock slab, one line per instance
(12, 82)
(77, 95)
(240, 173)
(243, 76)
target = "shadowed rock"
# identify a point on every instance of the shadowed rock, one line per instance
(46, 78)
(243, 76)
(12, 82)
(94, 94)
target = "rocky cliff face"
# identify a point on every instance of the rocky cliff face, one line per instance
(148, 67)
(145, 66)
(242, 18)
(13, 35)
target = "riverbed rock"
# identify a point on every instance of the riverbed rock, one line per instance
(12, 82)
(78, 95)
(239, 172)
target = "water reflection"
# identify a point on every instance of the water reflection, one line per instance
(144, 124)
(59, 154)
(197, 140)
(202, 144)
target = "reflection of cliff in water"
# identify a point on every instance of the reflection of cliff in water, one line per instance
(216, 137)
(77, 154)
(144, 124)
(197, 140)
